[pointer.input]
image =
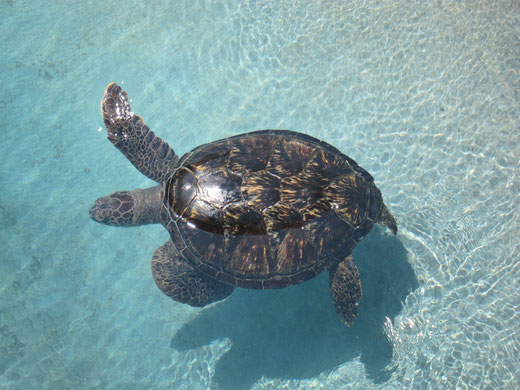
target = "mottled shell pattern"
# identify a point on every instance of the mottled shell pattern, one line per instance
(268, 209)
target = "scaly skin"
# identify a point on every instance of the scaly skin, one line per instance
(345, 290)
(148, 153)
(129, 208)
(180, 281)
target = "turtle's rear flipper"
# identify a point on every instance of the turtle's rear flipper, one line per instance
(148, 153)
(345, 289)
(181, 282)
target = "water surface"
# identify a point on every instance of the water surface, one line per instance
(424, 95)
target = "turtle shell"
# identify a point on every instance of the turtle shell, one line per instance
(268, 209)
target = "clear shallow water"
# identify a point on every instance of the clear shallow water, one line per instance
(424, 96)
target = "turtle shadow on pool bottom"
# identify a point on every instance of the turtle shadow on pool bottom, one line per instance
(294, 333)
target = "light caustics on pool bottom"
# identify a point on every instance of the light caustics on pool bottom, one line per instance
(421, 95)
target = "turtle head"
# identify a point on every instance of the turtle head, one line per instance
(129, 208)
(116, 209)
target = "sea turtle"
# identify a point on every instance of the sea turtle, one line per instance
(261, 210)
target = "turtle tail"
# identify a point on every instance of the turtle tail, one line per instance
(386, 219)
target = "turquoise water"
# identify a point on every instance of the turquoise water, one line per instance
(424, 95)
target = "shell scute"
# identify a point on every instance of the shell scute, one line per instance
(295, 252)
(324, 166)
(248, 255)
(329, 233)
(219, 187)
(261, 189)
(184, 190)
(241, 219)
(376, 203)
(241, 158)
(209, 156)
(300, 191)
(204, 216)
(282, 216)
(207, 246)
(348, 194)
(289, 157)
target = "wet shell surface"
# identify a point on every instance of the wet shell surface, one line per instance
(268, 209)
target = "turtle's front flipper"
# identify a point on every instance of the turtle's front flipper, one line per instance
(345, 288)
(183, 283)
(148, 153)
